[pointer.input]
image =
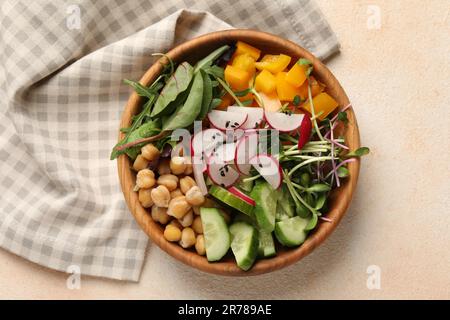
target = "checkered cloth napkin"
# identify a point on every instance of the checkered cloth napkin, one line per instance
(61, 70)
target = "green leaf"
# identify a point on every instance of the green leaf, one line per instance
(177, 83)
(297, 100)
(358, 152)
(214, 71)
(312, 222)
(207, 95)
(319, 187)
(214, 103)
(342, 116)
(142, 90)
(343, 172)
(304, 62)
(186, 114)
(321, 199)
(209, 59)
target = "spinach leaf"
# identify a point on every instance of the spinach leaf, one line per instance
(207, 95)
(186, 114)
(209, 59)
(177, 83)
(146, 130)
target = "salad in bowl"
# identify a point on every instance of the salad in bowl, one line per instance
(238, 153)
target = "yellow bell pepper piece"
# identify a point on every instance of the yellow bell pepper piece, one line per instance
(242, 47)
(238, 79)
(316, 88)
(245, 62)
(285, 90)
(323, 103)
(273, 63)
(265, 82)
(297, 75)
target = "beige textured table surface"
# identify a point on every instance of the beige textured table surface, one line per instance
(397, 75)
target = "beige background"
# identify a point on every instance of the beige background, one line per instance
(398, 78)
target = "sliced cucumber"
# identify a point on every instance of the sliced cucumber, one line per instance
(266, 204)
(291, 232)
(266, 245)
(231, 200)
(215, 231)
(246, 186)
(285, 204)
(244, 244)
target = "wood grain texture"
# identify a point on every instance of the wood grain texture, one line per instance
(340, 199)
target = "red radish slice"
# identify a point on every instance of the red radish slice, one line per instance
(246, 148)
(199, 178)
(255, 116)
(224, 120)
(225, 152)
(241, 195)
(222, 174)
(304, 132)
(205, 141)
(283, 122)
(269, 168)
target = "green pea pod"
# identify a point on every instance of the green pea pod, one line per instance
(177, 83)
(312, 222)
(186, 114)
(209, 59)
(207, 95)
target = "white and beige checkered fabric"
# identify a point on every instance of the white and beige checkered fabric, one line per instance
(61, 97)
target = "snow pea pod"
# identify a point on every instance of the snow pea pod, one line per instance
(185, 114)
(177, 84)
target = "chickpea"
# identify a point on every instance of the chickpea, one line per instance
(145, 179)
(145, 197)
(176, 193)
(178, 207)
(150, 152)
(140, 163)
(186, 183)
(172, 233)
(196, 210)
(187, 238)
(161, 196)
(160, 215)
(178, 165)
(164, 167)
(195, 197)
(188, 171)
(176, 223)
(186, 221)
(169, 181)
(197, 225)
(200, 245)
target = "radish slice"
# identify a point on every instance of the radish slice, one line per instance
(246, 148)
(255, 116)
(221, 173)
(225, 152)
(283, 122)
(304, 132)
(205, 141)
(224, 120)
(269, 168)
(199, 178)
(241, 195)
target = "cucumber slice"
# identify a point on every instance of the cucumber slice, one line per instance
(231, 200)
(215, 231)
(291, 232)
(244, 244)
(285, 204)
(266, 205)
(246, 186)
(266, 244)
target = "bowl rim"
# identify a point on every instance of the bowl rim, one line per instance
(261, 266)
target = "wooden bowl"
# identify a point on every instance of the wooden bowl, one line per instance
(340, 199)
